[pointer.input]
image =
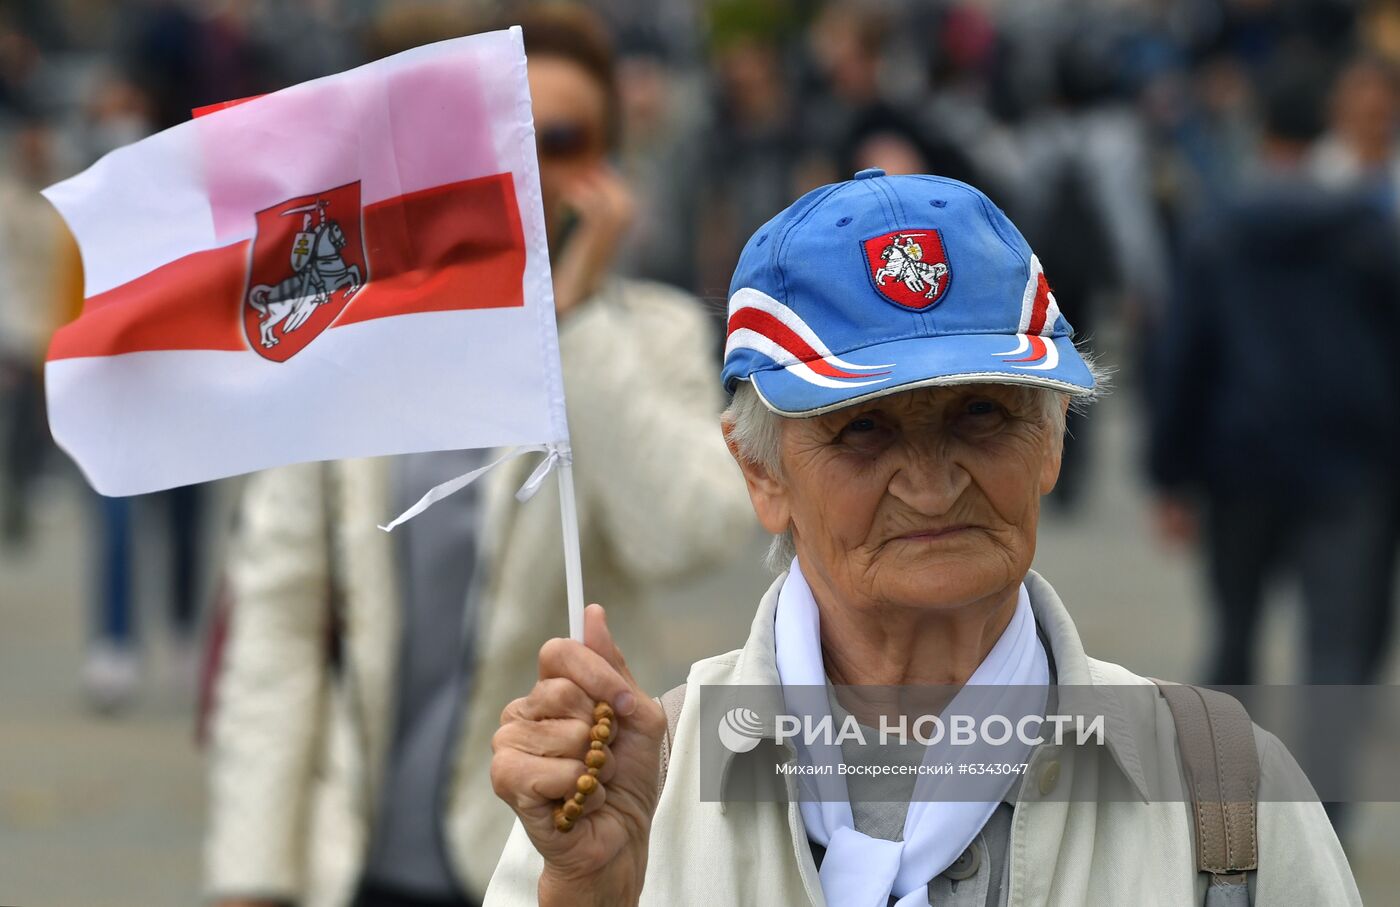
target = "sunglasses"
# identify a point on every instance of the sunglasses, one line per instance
(566, 141)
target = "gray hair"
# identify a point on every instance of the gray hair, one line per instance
(757, 431)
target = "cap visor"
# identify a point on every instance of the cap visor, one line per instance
(801, 390)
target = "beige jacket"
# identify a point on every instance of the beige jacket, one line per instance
(297, 756)
(1079, 853)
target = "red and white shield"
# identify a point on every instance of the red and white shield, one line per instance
(909, 267)
(308, 261)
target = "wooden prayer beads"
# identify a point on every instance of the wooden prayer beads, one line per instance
(569, 811)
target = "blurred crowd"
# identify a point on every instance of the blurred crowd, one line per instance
(1211, 185)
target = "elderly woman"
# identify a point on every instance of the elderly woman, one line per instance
(901, 374)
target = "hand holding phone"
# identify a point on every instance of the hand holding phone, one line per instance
(599, 209)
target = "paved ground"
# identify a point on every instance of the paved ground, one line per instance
(92, 811)
(107, 813)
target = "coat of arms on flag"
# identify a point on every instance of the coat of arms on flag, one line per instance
(307, 262)
(389, 215)
(355, 266)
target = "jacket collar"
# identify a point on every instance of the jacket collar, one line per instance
(757, 665)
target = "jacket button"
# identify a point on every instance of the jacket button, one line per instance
(1049, 777)
(966, 865)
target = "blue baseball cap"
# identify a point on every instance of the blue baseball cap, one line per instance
(885, 283)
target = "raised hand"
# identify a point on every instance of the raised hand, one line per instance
(539, 757)
(605, 209)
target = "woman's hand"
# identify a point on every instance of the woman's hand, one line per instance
(604, 207)
(539, 752)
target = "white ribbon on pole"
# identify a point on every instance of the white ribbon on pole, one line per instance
(559, 460)
(557, 455)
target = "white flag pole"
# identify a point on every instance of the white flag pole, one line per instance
(573, 570)
(540, 282)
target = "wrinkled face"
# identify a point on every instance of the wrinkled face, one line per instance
(925, 499)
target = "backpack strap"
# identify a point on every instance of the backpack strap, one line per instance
(671, 702)
(1221, 763)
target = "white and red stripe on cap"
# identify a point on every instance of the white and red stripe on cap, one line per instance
(761, 323)
(1039, 312)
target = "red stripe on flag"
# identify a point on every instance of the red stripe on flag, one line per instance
(207, 109)
(763, 323)
(457, 246)
(192, 303)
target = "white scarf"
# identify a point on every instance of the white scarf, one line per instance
(861, 871)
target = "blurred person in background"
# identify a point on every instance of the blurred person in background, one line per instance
(1087, 205)
(963, 65)
(1206, 122)
(884, 138)
(1359, 150)
(176, 57)
(182, 56)
(20, 63)
(663, 84)
(305, 41)
(122, 112)
(30, 246)
(112, 669)
(752, 149)
(1277, 423)
(846, 45)
(851, 120)
(660, 155)
(357, 771)
(1222, 132)
(1380, 22)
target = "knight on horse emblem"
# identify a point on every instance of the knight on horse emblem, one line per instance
(318, 270)
(307, 261)
(904, 262)
(909, 267)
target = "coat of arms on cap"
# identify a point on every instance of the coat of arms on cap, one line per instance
(308, 260)
(909, 267)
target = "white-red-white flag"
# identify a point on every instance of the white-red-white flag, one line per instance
(350, 267)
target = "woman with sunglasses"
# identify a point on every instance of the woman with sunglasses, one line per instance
(364, 779)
